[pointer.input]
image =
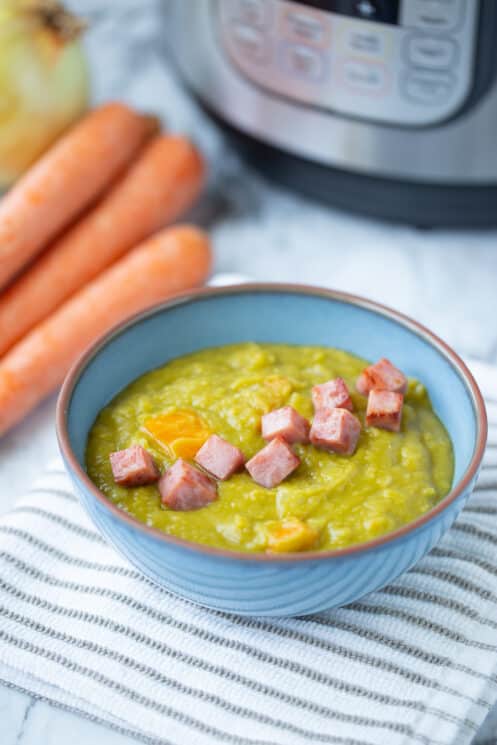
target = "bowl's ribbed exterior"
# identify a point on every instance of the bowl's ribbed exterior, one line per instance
(259, 589)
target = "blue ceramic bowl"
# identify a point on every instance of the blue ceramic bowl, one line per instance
(259, 584)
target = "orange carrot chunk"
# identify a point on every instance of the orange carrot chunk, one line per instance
(71, 175)
(176, 259)
(180, 433)
(291, 535)
(162, 183)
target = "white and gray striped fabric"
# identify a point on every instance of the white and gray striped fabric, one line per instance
(414, 663)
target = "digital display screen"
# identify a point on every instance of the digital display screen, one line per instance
(380, 11)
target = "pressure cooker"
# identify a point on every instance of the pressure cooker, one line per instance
(384, 107)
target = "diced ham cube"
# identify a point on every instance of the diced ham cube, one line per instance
(286, 423)
(333, 394)
(133, 466)
(219, 457)
(273, 463)
(183, 487)
(384, 410)
(335, 429)
(383, 376)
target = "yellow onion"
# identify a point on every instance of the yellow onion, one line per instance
(44, 83)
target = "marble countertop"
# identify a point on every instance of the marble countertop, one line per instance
(445, 279)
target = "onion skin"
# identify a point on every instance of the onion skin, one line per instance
(44, 86)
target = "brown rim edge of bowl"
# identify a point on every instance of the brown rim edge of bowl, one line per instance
(78, 368)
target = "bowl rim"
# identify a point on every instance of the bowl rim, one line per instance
(78, 369)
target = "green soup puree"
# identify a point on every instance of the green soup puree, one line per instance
(390, 480)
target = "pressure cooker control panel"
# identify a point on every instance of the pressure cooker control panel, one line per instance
(407, 63)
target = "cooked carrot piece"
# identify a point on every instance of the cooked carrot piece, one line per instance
(291, 535)
(187, 447)
(64, 181)
(181, 433)
(176, 259)
(162, 183)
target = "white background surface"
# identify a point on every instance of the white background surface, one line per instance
(446, 280)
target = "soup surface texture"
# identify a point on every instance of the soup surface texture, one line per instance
(390, 480)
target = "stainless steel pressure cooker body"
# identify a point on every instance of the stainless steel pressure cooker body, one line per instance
(385, 107)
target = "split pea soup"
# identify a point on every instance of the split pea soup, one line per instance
(336, 500)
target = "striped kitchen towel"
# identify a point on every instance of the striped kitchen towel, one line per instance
(413, 663)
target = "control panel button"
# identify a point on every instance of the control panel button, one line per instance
(431, 52)
(250, 43)
(364, 77)
(435, 15)
(365, 41)
(252, 12)
(303, 62)
(306, 27)
(431, 89)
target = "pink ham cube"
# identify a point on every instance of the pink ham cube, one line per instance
(183, 487)
(219, 457)
(273, 463)
(333, 394)
(133, 466)
(384, 410)
(286, 423)
(382, 376)
(335, 429)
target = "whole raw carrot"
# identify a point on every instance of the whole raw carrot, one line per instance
(176, 259)
(65, 180)
(161, 184)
